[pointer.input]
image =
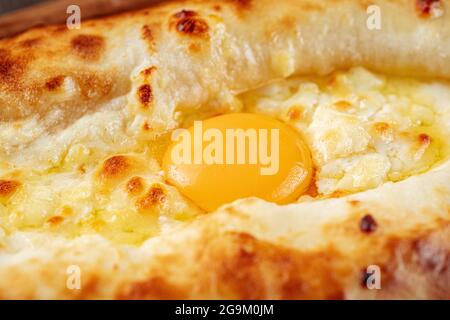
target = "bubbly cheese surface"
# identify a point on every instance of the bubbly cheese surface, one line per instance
(363, 129)
(103, 173)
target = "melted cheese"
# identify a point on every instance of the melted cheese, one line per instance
(364, 129)
(103, 173)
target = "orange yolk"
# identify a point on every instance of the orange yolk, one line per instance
(234, 156)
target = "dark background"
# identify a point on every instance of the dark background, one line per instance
(19, 15)
(10, 5)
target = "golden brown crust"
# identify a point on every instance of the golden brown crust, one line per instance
(94, 55)
(251, 249)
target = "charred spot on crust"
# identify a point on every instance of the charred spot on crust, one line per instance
(54, 83)
(155, 287)
(368, 224)
(135, 186)
(29, 43)
(59, 28)
(148, 71)
(147, 35)
(192, 26)
(115, 167)
(11, 68)
(88, 47)
(429, 8)
(243, 4)
(155, 196)
(55, 220)
(8, 187)
(145, 94)
(188, 22)
(183, 14)
(7, 65)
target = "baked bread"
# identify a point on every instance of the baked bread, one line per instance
(84, 120)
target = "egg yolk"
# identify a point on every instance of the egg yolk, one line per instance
(239, 155)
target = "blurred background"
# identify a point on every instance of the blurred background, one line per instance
(19, 15)
(9, 5)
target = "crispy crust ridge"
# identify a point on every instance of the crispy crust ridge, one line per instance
(245, 251)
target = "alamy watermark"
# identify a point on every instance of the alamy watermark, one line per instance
(237, 146)
(372, 277)
(74, 19)
(373, 21)
(73, 281)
